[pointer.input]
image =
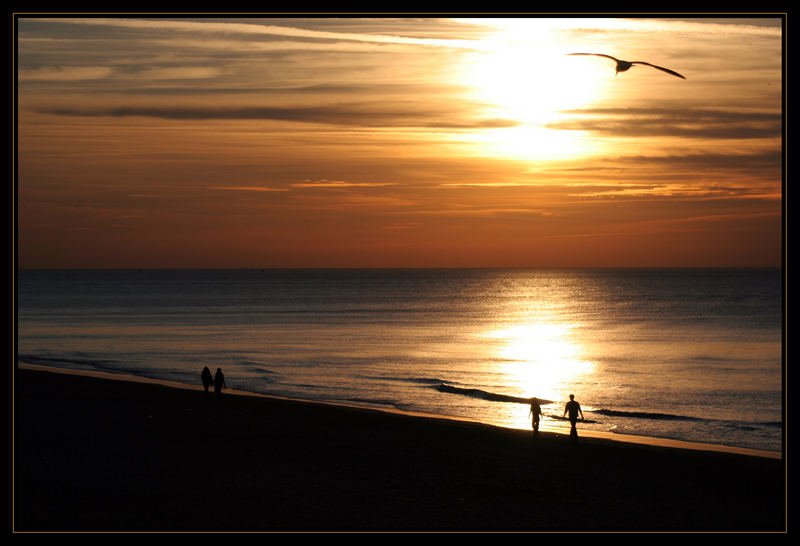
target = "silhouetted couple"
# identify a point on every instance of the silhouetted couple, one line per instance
(573, 409)
(218, 380)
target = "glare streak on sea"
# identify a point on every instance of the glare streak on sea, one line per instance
(688, 354)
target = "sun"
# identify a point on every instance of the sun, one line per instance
(523, 74)
(531, 85)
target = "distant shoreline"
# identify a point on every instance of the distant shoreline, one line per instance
(628, 438)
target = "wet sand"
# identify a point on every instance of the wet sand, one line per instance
(92, 454)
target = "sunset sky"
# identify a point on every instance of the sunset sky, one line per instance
(227, 142)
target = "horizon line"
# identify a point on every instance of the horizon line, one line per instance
(399, 268)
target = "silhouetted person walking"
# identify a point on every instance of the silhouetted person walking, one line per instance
(219, 381)
(207, 379)
(536, 412)
(573, 409)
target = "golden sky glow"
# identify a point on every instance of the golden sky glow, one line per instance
(397, 142)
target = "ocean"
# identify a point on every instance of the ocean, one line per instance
(685, 354)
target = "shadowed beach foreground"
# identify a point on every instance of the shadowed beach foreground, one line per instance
(93, 454)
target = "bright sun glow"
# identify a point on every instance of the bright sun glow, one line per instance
(525, 75)
(531, 84)
(542, 359)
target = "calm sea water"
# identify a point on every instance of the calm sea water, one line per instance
(684, 354)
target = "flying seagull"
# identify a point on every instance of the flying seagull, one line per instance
(622, 66)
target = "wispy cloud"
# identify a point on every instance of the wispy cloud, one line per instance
(673, 191)
(486, 211)
(614, 25)
(753, 162)
(362, 114)
(692, 223)
(65, 73)
(663, 226)
(247, 28)
(680, 122)
(248, 188)
(339, 184)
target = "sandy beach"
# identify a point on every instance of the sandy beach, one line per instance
(92, 454)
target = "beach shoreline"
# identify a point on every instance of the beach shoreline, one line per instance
(99, 454)
(648, 440)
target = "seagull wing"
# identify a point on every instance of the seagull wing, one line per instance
(597, 55)
(667, 70)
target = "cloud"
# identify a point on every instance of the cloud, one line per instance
(247, 188)
(676, 190)
(237, 27)
(67, 73)
(339, 184)
(749, 161)
(369, 115)
(756, 160)
(695, 223)
(480, 210)
(680, 122)
(731, 26)
(665, 226)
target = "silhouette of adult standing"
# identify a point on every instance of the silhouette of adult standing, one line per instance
(207, 379)
(219, 381)
(573, 409)
(536, 412)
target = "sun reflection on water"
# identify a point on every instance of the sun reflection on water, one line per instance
(541, 359)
